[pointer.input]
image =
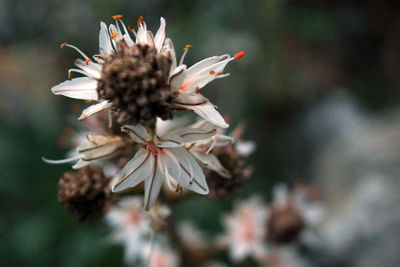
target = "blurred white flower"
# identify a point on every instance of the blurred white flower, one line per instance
(163, 256)
(191, 237)
(245, 230)
(131, 228)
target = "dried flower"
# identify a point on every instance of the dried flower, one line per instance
(85, 193)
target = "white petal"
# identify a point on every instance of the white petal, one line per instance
(160, 35)
(223, 140)
(207, 111)
(169, 48)
(94, 108)
(141, 35)
(190, 175)
(135, 171)
(192, 134)
(99, 146)
(93, 69)
(128, 40)
(61, 161)
(152, 185)
(201, 73)
(105, 46)
(138, 133)
(211, 162)
(79, 88)
(80, 164)
(168, 140)
(190, 99)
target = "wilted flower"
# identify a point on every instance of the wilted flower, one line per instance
(163, 158)
(245, 230)
(141, 79)
(86, 193)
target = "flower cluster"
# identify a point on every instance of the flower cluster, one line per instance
(137, 78)
(137, 143)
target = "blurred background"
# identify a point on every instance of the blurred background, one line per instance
(318, 91)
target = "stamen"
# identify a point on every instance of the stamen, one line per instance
(221, 73)
(139, 21)
(88, 101)
(78, 71)
(197, 90)
(212, 72)
(185, 50)
(117, 17)
(131, 28)
(63, 45)
(76, 48)
(239, 55)
(115, 34)
(87, 61)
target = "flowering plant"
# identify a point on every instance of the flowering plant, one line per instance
(139, 87)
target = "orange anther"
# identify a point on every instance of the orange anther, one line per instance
(139, 21)
(88, 101)
(87, 61)
(63, 45)
(131, 28)
(115, 34)
(187, 47)
(239, 55)
(117, 17)
(197, 90)
(212, 72)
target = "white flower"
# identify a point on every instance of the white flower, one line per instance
(186, 81)
(191, 237)
(93, 148)
(246, 230)
(131, 227)
(86, 87)
(163, 157)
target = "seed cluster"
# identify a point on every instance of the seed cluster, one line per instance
(235, 163)
(135, 80)
(85, 193)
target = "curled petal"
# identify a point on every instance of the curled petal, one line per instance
(99, 146)
(135, 171)
(138, 133)
(160, 35)
(105, 46)
(79, 88)
(168, 140)
(192, 134)
(94, 108)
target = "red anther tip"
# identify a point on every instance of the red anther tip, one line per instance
(239, 55)
(115, 34)
(87, 61)
(63, 45)
(139, 21)
(197, 90)
(212, 72)
(117, 17)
